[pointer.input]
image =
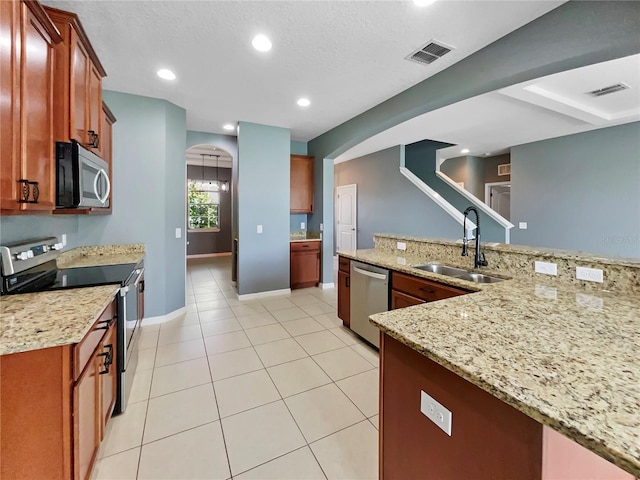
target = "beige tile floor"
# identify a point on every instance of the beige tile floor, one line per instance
(268, 389)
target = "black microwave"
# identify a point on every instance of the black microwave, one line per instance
(82, 178)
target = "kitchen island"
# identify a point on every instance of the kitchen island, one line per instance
(561, 352)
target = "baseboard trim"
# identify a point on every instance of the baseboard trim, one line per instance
(324, 286)
(164, 318)
(270, 293)
(209, 255)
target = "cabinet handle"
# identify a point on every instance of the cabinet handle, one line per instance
(108, 360)
(107, 323)
(29, 189)
(141, 287)
(424, 289)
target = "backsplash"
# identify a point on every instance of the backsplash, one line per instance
(620, 275)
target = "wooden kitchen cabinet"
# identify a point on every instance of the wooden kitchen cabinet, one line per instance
(54, 403)
(305, 264)
(27, 164)
(344, 291)
(407, 290)
(78, 83)
(301, 184)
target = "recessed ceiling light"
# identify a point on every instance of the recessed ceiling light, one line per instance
(487, 154)
(261, 43)
(464, 150)
(166, 74)
(228, 126)
(304, 102)
(423, 3)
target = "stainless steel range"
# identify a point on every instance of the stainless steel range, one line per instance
(30, 266)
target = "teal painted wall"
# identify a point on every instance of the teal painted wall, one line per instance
(299, 148)
(263, 199)
(573, 35)
(579, 192)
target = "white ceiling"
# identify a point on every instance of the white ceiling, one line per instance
(345, 56)
(494, 122)
(209, 156)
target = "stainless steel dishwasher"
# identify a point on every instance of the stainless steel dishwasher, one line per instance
(369, 295)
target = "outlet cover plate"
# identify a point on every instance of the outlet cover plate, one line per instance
(547, 268)
(589, 274)
(401, 246)
(436, 412)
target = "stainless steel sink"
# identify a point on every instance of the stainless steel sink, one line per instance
(442, 269)
(460, 273)
(479, 278)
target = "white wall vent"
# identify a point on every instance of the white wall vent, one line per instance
(618, 87)
(504, 169)
(429, 53)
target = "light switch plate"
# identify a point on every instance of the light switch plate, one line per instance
(259, 229)
(302, 225)
(178, 232)
(547, 268)
(64, 239)
(589, 274)
(436, 412)
(522, 225)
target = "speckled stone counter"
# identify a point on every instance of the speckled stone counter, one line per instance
(101, 255)
(565, 355)
(305, 237)
(33, 321)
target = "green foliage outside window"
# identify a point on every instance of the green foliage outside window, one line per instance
(204, 205)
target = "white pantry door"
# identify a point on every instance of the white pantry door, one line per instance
(346, 230)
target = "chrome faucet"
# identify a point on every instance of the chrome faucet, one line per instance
(478, 260)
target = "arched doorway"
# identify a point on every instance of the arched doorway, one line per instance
(209, 227)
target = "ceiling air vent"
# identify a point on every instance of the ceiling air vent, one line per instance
(618, 87)
(429, 53)
(504, 169)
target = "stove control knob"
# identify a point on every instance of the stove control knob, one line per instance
(22, 255)
(30, 253)
(57, 246)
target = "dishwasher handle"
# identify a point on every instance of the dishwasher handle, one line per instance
(379, 276)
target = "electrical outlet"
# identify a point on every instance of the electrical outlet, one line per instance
(402, 246)
(436, 412)
(259, 229)
(546, 268)
(302, 225)
(589, 274)
(522, 225)
(64, 239)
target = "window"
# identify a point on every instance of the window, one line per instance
(204, 205)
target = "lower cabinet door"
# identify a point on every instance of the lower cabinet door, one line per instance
(305, 268)
(108, 377)
(86, 419)
(344, 298)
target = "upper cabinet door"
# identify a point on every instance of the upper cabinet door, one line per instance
(79, 90)
(26, 55)
(301, 184)
(37, 112)
(94, 110)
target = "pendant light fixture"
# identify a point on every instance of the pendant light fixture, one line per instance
(224, 186)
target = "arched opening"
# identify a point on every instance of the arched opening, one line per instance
(209, 227)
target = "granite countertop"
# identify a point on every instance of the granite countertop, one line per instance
(305, 236)
(305, 240)
(49, 319)
(32, 321)
(566, 357)
(101, 255)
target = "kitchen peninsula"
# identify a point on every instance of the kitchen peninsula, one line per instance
(516, 362)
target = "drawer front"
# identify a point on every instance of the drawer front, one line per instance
(82, 351)
(305, 246)
(424, 289)
(344, 264)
